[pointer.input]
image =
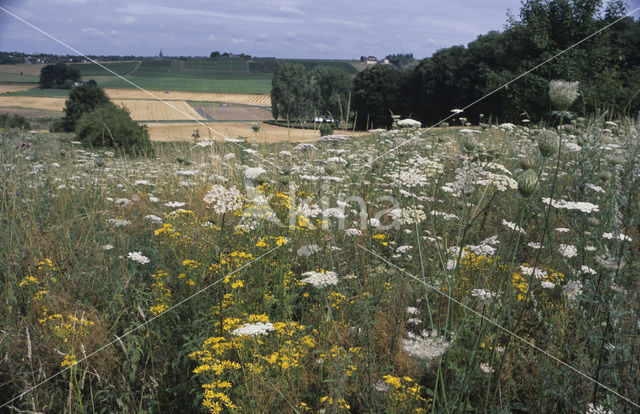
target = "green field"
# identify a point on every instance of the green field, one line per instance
(16, 78)
(177, 82)
(45, 93)
(91, 69)
(221, 75)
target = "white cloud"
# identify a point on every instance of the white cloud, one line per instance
(291, 11)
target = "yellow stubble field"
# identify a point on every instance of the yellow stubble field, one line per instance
(6, 88)
(150, 110)
(268, 133)
(33, 102)
(247, 99)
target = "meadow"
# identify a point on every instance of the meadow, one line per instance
(479, 269)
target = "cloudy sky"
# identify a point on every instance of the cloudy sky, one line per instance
(278, 28)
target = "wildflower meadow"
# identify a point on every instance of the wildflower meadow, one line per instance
(488, 268)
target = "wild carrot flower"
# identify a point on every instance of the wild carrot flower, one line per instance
(427, 345)
(138, 257)
(320, 279)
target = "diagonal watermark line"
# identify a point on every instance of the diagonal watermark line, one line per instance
(118, 338)
(478, 314)
(503, 86)
(226, 138)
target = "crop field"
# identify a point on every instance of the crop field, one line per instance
(479, 269)
(233, 98)
(235, 113)
(13, 88)
(18, 69)
(29, 102)
(268, 133)
(151, 110)
(88, 70)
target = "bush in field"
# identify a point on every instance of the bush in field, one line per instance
(82, 100)
(58, 76)
(111, 126)
(17, 121)
(326, 129)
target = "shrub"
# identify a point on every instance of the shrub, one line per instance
(111, 126)
(82, 100)
(326, 129)
(16, 121)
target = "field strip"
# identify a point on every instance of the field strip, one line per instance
(32, 102)
(4, 88)
(22, 68)
(268, 133)
(247, 99)
(152, 110)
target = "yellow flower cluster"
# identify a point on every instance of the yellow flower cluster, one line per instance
(161, 293)
(405, 395)
(520, 284)
(339, 403)
(70, 329)
(222, 360)
(44, 274)
(265, 241)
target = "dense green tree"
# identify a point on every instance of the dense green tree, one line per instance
(83, 99)
(376, 94)
(58, 76)
(292, 94)
(331, 91)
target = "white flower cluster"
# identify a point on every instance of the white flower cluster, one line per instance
(421, 172)
(138, 257)
(306, 251)
(320, 279)
(409, 123)
(582, 206)
(408, 215)
(482, 294)
(427, 346)
(621, 237)
(513, 226)
(118, 222)
(572, 289)
(253, 329)
(597, 409)
(567, 250)
(223, 199)
(254, 172)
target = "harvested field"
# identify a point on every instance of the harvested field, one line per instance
(49, 104)
(150, 110)
(19, 68)
(14, 88)
(236, 113)
(247, 99)
(268, 133)
(30, 113)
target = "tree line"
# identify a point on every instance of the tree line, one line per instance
(607, 65)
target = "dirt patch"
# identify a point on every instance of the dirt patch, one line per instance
(219, 113)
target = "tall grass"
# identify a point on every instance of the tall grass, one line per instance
(400, 331)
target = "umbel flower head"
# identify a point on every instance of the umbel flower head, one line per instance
(563, 94)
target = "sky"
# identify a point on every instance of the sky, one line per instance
(319, 29)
